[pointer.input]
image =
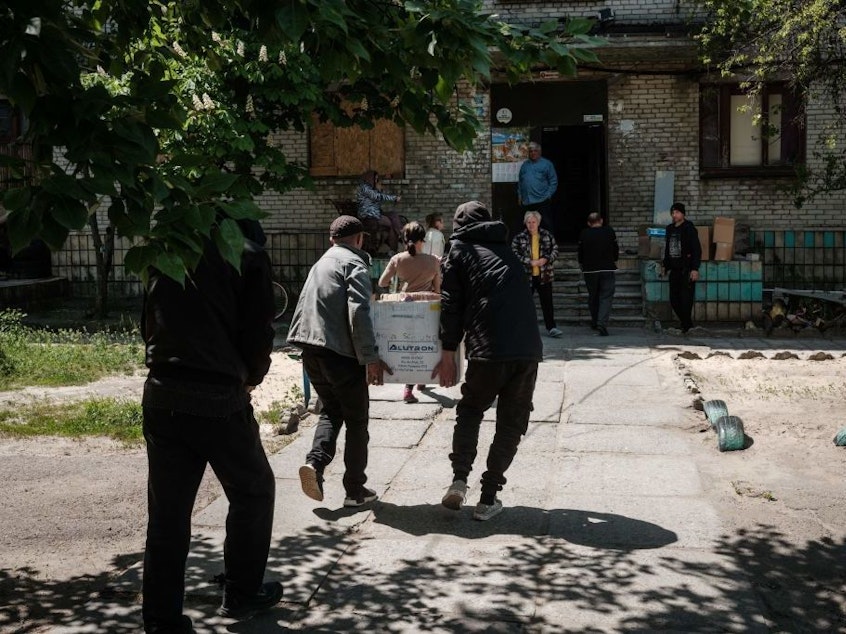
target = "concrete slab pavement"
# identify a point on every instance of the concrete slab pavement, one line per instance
(605, 526)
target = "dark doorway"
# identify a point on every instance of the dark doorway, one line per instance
(568, 119)
(578, 154)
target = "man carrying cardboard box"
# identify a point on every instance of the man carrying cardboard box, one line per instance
(333, 327)
(682, 257)
(485, 301)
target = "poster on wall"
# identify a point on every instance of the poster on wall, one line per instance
(509, 148)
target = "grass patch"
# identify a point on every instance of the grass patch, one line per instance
(277, 409)
(31, 356)
(120, 419)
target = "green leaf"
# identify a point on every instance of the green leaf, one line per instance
(17, 198)
(171, 265)
(293, 19)
(215, 183)
(241, 209)
(69, 213)
(23, 225)
(230, 242)
(139, 257)
(53, 233)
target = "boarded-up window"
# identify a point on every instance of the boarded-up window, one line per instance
(350, 151)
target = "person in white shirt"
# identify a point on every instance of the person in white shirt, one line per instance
(434, 242)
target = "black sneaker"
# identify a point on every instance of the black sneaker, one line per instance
(603, 331)
(364, 496)
(237, 606)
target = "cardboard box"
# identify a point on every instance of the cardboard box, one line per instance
(656, 248)
(724, 230)
(705, 242)
(650, 242)
(407, 337)
(724, 251)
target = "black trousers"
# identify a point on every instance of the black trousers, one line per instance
(682, 293)
(545, 296)
(179, 446)
(512, 383)
(600, 287)
(341, 383)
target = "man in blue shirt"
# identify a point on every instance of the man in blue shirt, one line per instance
(536, 185)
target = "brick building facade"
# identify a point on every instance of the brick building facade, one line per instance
(646, 121)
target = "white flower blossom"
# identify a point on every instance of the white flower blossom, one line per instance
(216, 37)
(283, 59)
(207, 101)
(395, 102)
(263, 53)
(101, 71)
(179, 50)
(240, 49)
(197, 102)
(249, 107)
(365, 105)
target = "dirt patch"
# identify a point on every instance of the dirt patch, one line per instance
(78, 507)
(782, 499)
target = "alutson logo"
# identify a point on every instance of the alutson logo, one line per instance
(412, 347)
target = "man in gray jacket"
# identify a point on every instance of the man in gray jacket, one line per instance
(333, 327)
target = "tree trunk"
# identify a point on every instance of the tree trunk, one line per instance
(104, 248)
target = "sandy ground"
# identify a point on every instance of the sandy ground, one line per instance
(75, 508)
(78, 507)
(781, 500)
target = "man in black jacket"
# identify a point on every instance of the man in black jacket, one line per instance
(598, 253)
(208, 345)
(485, 300)
(682, 257)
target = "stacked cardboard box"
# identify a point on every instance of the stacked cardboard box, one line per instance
(705, 242)
(723, 238)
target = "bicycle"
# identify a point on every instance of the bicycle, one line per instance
(280, 301)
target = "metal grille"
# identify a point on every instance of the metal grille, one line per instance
(812, 259)
(292, 254)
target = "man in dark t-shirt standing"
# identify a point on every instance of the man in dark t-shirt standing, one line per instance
(682, 257)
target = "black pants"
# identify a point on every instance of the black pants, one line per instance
(513, 384)
(600, 287)
(178, 448)
(545, 296)
(341, 383)
(682, 293)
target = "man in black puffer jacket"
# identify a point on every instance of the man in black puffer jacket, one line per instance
(485, 300)
(208, 344)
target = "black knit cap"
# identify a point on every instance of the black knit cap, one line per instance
(344, 226)
(678, 207)
(470, 212)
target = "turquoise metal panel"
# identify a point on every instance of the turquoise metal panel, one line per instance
(828, 239)
(809, 238)
(790, 238)
(711, 291)
(734, 291)
(757, 291)
(769, 239)
(699, 292)
(745, 291)
(734, 270)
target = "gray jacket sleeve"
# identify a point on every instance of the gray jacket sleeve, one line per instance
(359, 289)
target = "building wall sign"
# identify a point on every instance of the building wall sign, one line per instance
(504, 115)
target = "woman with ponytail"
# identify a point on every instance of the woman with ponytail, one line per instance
(416, 271)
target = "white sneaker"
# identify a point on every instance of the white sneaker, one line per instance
(455, 495)
(487, 511)
(555, 333)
